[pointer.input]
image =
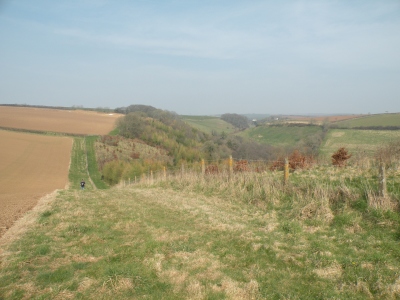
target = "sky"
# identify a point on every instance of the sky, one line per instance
(203, 57)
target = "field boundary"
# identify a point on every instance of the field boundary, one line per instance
(42, 132)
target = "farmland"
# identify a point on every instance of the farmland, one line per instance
(54, 120)
(280, 135)
(31, 166)
(209, 124)
(380, 120)
(358, 141)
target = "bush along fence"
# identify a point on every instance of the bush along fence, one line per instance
(285, 175)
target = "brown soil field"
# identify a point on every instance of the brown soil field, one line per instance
(56, 120)
(321, 119)
(31, 166)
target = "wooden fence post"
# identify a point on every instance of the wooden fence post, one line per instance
(286, 172)
(203, 167)
(230, 165)
(382, 181)
(165, 174)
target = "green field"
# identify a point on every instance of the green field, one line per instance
(358, 141)
(209, 124)
(280, 136)
(381, 120)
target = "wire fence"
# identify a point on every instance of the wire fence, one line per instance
(229, 167)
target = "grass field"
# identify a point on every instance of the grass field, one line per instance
(280, 135)
(383, 120)
(217, 237)
(31, 166)
(53, 120)
(209, 124)
(357, 141)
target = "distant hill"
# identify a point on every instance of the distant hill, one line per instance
(379, 121)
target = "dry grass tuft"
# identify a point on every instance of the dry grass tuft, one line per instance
(317, 210)
(362, 287)
(240, 291)
(116, 284)
(378, 202)
(196, 290)
(394, 289)
(86, 283)
(64, 295)
(332, 272)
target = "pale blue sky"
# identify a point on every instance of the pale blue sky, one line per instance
(203, 57)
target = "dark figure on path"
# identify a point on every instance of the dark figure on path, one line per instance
(82, 184)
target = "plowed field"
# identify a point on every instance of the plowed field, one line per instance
(31, 166)
(55, 120)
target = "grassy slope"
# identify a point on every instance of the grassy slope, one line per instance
(373, 120)
(209, 124)
(190, 238)
(280, 135)
(357, 141)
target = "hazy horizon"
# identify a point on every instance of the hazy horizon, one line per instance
(203, 57)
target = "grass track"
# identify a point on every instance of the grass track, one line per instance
(92, 163)
(78, 168)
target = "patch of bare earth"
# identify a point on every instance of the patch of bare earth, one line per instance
(31, 166)
(24, 223)
(56, 120)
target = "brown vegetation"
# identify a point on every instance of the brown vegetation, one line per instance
(340, 157)
(296, 160)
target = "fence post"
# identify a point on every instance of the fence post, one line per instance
(165, 173)
(203, 167)
(286, 172)
(230, 165)
(382, 181)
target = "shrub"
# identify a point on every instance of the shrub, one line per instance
(297, 160)
(340, 157)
